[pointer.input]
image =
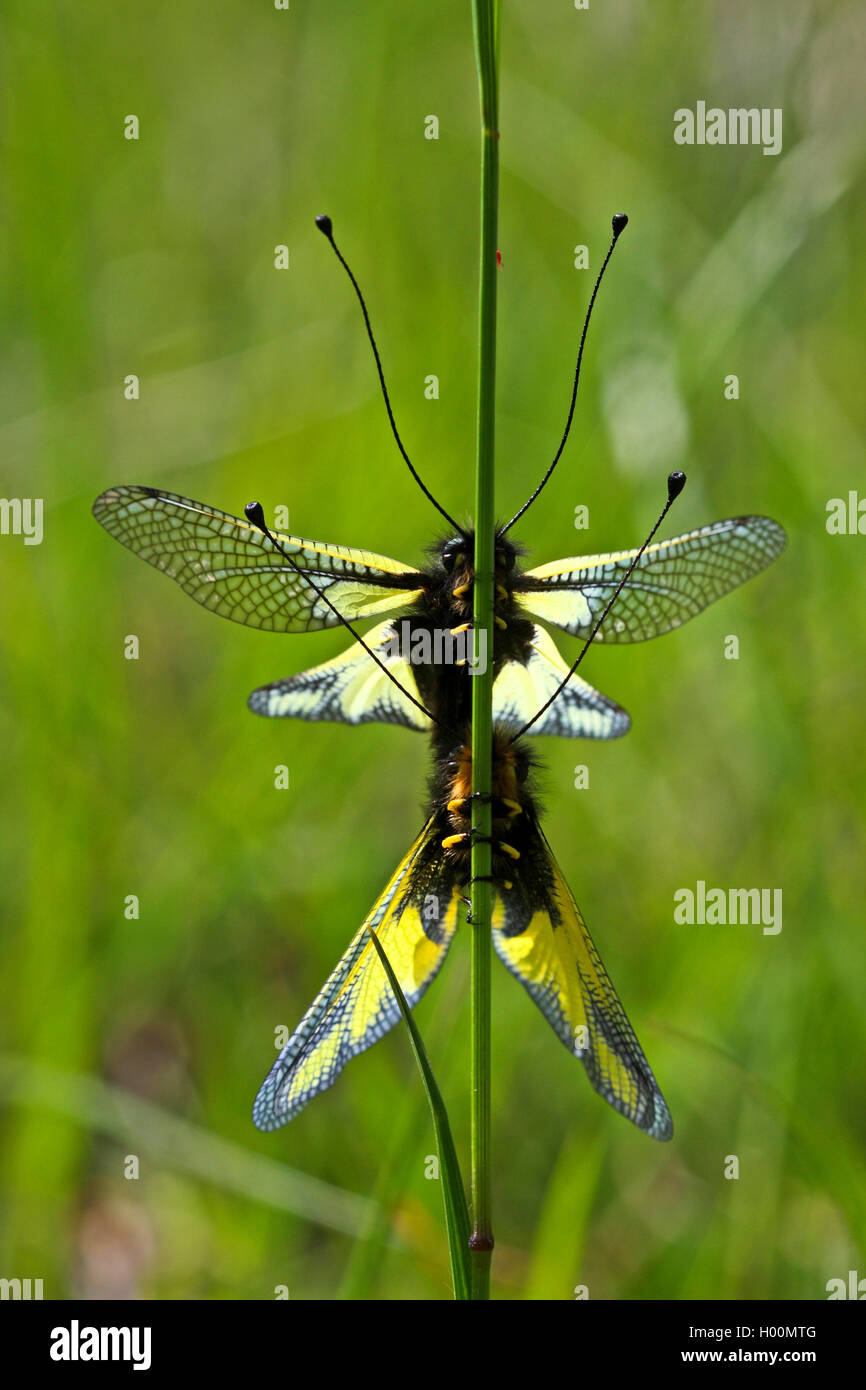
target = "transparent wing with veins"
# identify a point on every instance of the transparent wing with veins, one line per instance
(673, 581)
(228, 566)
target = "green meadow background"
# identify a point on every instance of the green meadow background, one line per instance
(149, 1037)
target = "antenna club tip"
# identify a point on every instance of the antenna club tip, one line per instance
(676, 483)
(325, 225)
(619, 222)
(254, 513)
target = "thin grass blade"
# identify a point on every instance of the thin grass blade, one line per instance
(453, 1191)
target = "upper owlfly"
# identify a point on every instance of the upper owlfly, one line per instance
(240, 569)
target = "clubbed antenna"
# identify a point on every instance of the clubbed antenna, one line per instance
(676, 483)
(618, 223)
(326, 227)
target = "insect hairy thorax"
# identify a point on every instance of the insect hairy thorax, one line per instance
(451, 585)
(456, 566)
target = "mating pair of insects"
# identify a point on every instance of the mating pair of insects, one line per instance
(241, 570)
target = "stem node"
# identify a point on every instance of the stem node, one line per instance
(478, 1241)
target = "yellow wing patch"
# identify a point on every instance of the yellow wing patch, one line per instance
(228, 566)
(350, 689)
(578, 711)
(356, 1007)
(551, 953)
(673, 581)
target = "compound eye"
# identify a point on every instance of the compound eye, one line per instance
(449, 555)
(452, 555)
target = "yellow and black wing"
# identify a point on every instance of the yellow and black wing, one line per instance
(350, 689)
(414, 919)
(579, 711)
(230, 567)
(673, 581)
(539, 933)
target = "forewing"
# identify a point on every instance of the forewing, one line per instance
(414, 919)
(350, 689)
(578, 711)
(230, 567)
(539, 933)
(673, 581)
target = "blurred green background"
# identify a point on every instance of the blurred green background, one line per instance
(156, 257)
